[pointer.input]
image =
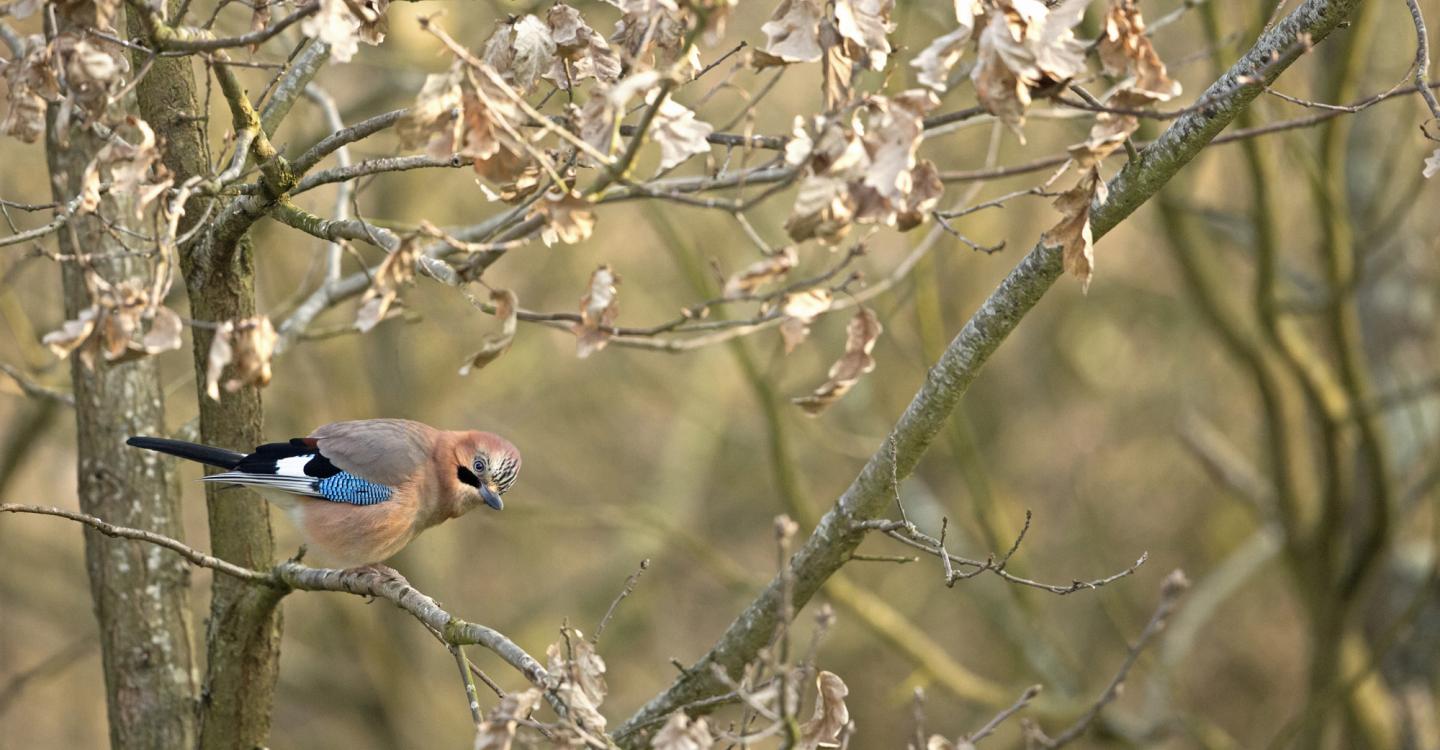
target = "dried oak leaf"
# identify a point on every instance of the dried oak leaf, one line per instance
(682, 733)
(897, 126)
(823, 210)
(492, 345)
(135, 171)
(860, 339)
(598, 309)
(489, 135)
(521, 50)
(1126, 52)
(397, 270)
(29, 80)
(654, 32)
(831, 714)
(799, 310)
(1432, 165)
(759, 273)
(583, 53)
(108, 327)
(497, 732)
(343, 24)
(792, 34)
(1073, 234)
(865, 24)
(568, 217)
(246, 345)
(434, 121)
(1025, 45)
(581, 673)
(679, 134)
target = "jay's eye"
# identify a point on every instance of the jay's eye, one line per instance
(480, 466)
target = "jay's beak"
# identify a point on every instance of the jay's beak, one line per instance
(491, 497)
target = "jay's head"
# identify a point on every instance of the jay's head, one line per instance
(493, 464)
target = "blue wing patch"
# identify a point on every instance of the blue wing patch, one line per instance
(344, 487)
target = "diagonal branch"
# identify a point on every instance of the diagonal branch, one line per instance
(838, 533)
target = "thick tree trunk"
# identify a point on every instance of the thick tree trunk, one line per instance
(141, 593)
(243, 638)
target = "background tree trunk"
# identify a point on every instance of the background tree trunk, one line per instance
(243, 637)
(141, 594)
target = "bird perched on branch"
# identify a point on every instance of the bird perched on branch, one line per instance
(361, 490)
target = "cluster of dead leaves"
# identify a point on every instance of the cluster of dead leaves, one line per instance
(578, 673)
(78, 74)
(123, 322)
(246, 345)
(827, 722)
(396, 271)
(862, 168)
(133, 170)
(845, 34)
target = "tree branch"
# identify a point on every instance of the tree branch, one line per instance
(836, 536)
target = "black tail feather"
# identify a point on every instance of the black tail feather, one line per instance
(191, 451)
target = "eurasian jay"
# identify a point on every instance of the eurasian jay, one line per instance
(360, 491)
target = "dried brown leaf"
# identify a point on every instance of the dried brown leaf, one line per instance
(679, 134)
(492, 345)
(792, 34)
(759, 273)
(219, 355)
(568, 217)
(252, 341)
(397, 270)
(682, 733)
(598, 309)
(831, 713)
(1432, 165)
(581, 672)
(72, 333)
(582, 52)
(865, 24)
(860, 337)
(434, 119)
(1025, 45)
(497, 732)
(896, 129)
(1127, 52)
(521, 50)
(800, 309)
(1073, 234)
(343, 24)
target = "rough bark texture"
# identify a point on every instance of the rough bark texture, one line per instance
(141, 598)
(243, 636)
(870, 494)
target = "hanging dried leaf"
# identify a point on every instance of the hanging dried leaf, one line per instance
(1111, 129)
(568, 217)
(759, 273)
(897, 125)
(492, 345)
(654, 32)
(1073, 234)
(1432, 165)
(681, 733)
(583, 53)
(490, 120)
(792, 34)
(252, 343)
(1126, 52)
(135, 171)
(838, 69)
(109, 326)
(343, 24)
(520, 50)
(936, 60)
(831, 714)
(29, 79)
(598, 309)
(1025, 45)
(99, 14)
(581, 673)
(925, 191)
(219, 355)
(679, 134)
(800, 309)
(865, 24)
(860, 338)
(823, 210)
(498, 731)
(72, 334)
(397, 270)
(434, 119)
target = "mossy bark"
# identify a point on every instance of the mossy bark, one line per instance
(141, 594)
(243, 636)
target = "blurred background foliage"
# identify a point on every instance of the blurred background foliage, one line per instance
(1088, 416)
